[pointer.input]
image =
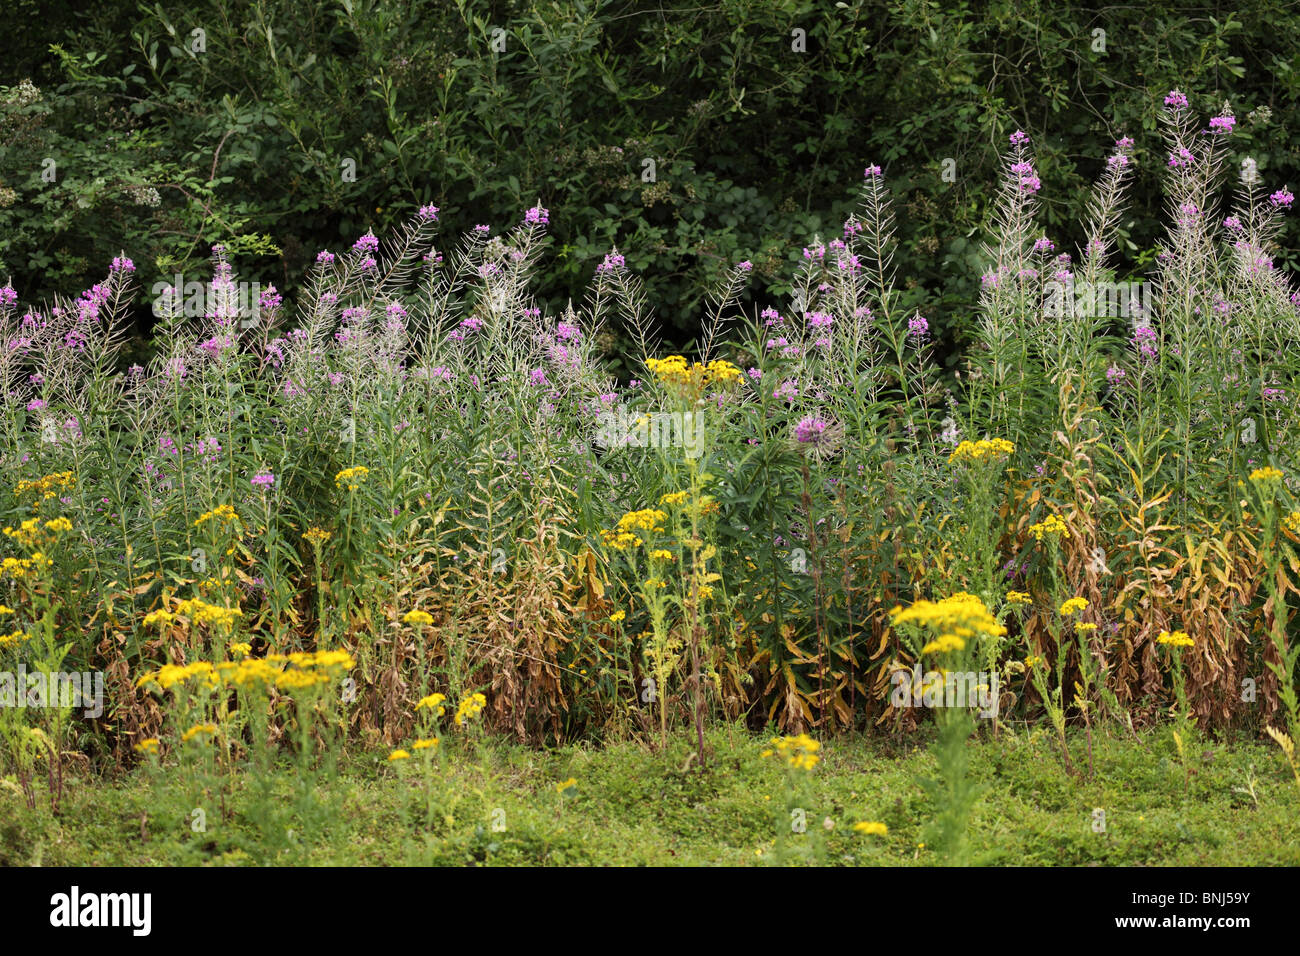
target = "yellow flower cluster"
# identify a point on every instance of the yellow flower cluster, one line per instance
(661, 554)
(1292, 522)
(1072, 605)
(200, 612)
(1084, 627)
(871, 828)
(31, 534)
(624, 535)
(617, 616)
(1176, 639)
(147, 746)
(960, 616)
(352, 477)
(424, 743)
(316, 536)
(674, 498)
(945, 644)
(209, 729)
(14, 639)
(159, 617)
(1019, 597)
(648, 519)
(470, 708)
(675, 371)
(984, 450)
(289, 671)
(21, 567)
(47, 487)
(799, 752)
(417, 617)
(1051, 525)
(564, 785)
(620, 540)
(219, 513)
(1265, 474)
(434, 703)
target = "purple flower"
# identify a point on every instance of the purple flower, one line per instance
(1044, 245)
(1144, 339)
(1019, 138)
(871, 172)
(744, 265)
(1175, 100)
(1282, 199)
(482, 230)
(567, 332)
(121, 264)
(787, 391)
(1118, 161)
(1124, 143)
(771, 317)
(537, 376)
(35, 406)
(1233, 224)
(367, 243)
(613, 261)
(1222, 124)
(263, 479)
(537, 216)
(1114, 374)
(269, 300)
(8, 297)
(809, 430)
(820, 320)
(918, 327)
(1181, 158)
(428, 213)
(324, 258)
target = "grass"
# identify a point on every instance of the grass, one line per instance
(633, 806)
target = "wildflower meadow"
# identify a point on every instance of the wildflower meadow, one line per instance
(395, 567)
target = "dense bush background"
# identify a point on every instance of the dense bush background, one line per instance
(163, 149)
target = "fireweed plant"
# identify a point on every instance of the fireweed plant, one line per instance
(411, 431)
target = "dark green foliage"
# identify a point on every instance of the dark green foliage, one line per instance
(756, 146)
